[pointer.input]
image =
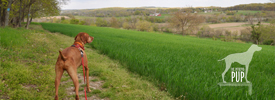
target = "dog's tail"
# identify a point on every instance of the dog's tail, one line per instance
(62, 56)
(221, 59)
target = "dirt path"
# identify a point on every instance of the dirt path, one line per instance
(233, 27)
(225, 25)
(93, 86)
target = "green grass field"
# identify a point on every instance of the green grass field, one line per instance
(187, 65)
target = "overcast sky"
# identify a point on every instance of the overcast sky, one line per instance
(90, 4)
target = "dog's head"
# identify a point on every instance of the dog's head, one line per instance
(84, 37)
(255, 47)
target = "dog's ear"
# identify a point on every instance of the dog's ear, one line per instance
(78, 35)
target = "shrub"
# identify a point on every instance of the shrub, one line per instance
(235, 35)
(101, 23)
(268, 33)
(92, 23)
(155, 28)
(82, 23)
(62, 18)
(114, 22)
(85, 22)
(143, 26)
(268, 42)
(167, 30)
(245, 35)
(54, 20)
(126, 25)
(205, 31)
(219, 33)
(228, 36)
(74, 21)
(65, 21)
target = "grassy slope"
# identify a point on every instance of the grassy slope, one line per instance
(187, 65)
(27, 69)
(27, 64)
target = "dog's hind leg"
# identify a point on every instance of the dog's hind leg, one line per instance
(59, 72)
(228, 64)
(246, 71)
(73, 74)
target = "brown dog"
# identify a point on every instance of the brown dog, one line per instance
(70, 59)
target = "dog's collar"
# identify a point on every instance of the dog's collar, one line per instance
(78, 44)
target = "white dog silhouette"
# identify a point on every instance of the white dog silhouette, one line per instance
(242, 58)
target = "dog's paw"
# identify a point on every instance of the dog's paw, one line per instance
(247, 82)
(224, 82)
(76, 97)
(88, 90)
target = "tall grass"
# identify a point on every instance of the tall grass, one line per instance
(187, 65)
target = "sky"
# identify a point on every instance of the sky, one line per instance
(92, 4)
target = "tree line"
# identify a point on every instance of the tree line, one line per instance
(13, 12)
(143, 11)
(254, 6)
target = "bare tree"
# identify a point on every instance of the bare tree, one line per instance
(29, 11)
(259, 17)
(249, 19)
(20, 11)
(185, 21)
(8, 13)
(1, 3)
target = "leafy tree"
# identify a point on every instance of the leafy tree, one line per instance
(268, 33)
(29, 9)
(137, 12)
(74, 21)
(185, 21)
(256, 33)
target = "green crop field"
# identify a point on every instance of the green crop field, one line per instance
(187, 65)
(244, 12)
